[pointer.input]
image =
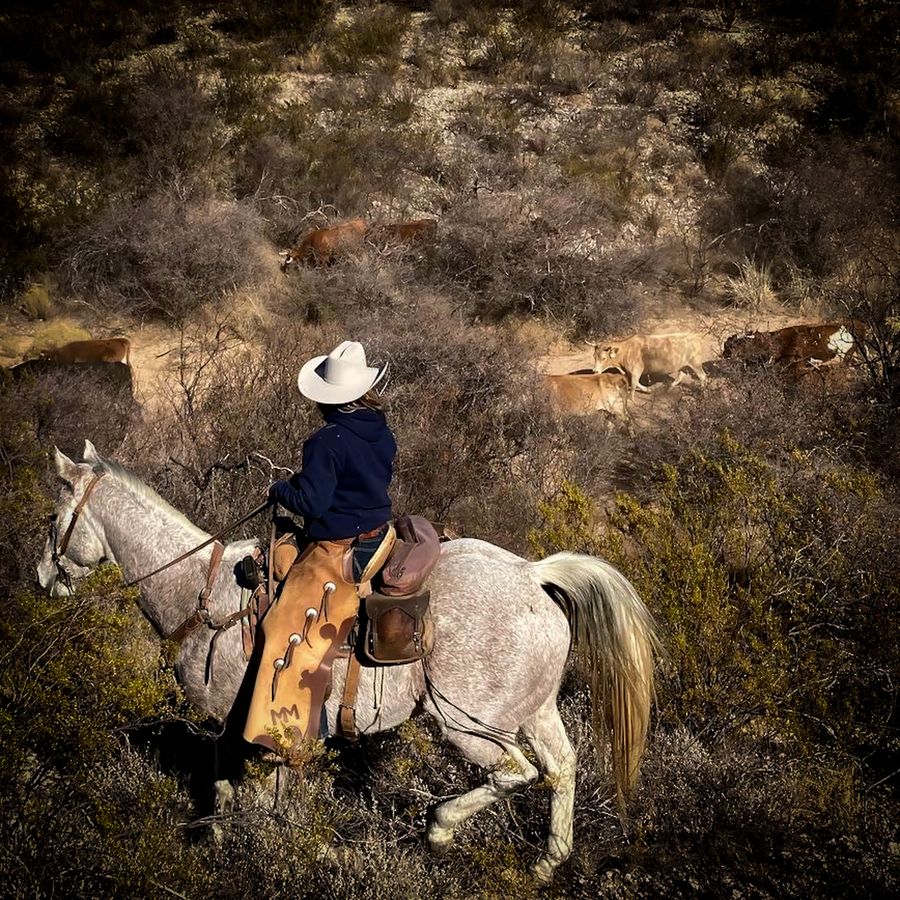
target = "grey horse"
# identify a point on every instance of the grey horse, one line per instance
(503, 629)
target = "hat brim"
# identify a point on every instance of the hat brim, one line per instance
(314, 387)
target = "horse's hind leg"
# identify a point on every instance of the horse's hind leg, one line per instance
(509, 772)
(548, 738)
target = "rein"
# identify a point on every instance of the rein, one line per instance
(206, 543)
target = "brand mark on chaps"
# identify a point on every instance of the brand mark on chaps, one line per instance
(284, 714)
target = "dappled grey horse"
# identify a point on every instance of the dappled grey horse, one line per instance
(503, 630)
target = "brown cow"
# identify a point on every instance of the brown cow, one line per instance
(110, 350)
(668, 354)
(323, 246)
(415, 231)
(794, 344)
(584, 394)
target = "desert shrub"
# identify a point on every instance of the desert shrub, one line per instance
(872, 298)
(613, 172)
(744, 214)
(505, 262)
(36, 301)
(63, 403)
(168, 253)
(341, 168)
(766, 558)
(291, 26)
(433, 66)
(827, 203)
(723, 119)
(245, 87)
(714, 818)
(162, 118)
(81, 811)
(373, 39)
(494, 125)
(604, 163)
(752, 287)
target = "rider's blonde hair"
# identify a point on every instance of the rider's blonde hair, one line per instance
(370, 400)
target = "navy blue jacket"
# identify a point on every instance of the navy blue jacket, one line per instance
(348, 464)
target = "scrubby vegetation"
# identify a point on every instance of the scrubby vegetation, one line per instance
(594, 168)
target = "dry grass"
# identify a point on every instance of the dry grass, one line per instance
(752, 288)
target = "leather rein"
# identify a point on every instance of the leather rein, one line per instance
(201, 615)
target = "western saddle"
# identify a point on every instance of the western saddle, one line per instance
(393, 625)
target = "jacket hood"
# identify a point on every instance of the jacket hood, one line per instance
(367, 424)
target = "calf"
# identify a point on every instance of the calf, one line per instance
(667, 354)
(594, 392)
(110, 350)
(323, 246)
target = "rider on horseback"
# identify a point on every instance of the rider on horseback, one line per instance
(342, 493)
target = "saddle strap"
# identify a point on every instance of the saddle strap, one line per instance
(347, 717)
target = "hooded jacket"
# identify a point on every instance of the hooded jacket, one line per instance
(342, 489)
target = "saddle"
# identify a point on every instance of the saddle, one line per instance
(294, 677)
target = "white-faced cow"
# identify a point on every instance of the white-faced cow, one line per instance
(665, 354)
(109, 350)
(589, 393)
(323, 246)
(794, 344)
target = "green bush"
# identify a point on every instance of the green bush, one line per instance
(81, 811)
(774, 587)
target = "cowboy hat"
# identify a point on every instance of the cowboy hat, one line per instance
(340, 377)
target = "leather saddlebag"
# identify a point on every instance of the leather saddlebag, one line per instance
(414, 556)
(398, 629)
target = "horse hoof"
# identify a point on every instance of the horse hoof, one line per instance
(543, 870)
(439, 840)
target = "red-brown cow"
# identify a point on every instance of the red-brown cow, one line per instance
(794, 344)
(323, 246)
(415, 231)
(110, 350)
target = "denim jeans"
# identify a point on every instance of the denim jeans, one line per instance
(364, 550)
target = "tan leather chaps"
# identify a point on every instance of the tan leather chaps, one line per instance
(302, 633)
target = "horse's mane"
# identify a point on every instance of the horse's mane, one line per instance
(144, 490)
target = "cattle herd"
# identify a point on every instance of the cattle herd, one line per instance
(618, 367)
(798, 350)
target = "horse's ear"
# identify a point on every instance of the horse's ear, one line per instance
(65, 467)
(89, 454)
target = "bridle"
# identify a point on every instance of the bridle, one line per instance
(201, 615)
(59, 549)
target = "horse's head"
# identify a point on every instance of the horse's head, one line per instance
(70, 553)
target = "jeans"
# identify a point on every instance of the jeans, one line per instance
(364, 550)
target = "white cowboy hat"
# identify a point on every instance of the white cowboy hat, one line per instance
(340, 377)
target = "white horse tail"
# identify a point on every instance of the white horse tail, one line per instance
(614, 635)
